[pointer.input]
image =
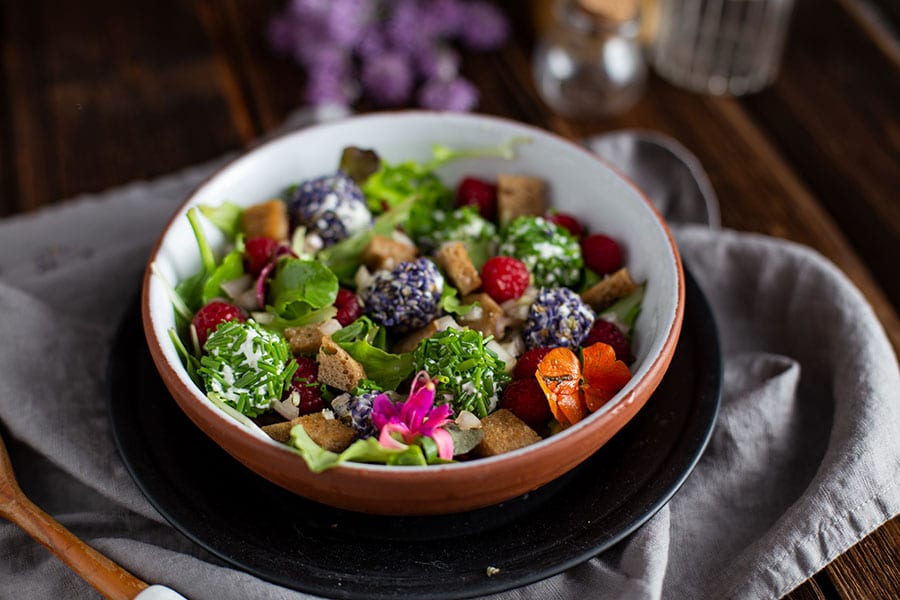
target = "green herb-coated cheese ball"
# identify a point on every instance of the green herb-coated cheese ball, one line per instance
(246, 366)
(551, 253)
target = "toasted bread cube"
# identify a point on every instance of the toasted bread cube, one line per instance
(268, 219)
(504, 432)
(308, 339)
(337, 368)
(454, 259)
(609, 289)
(330, 434)
(489, 317)
(409, 342)
(519, 195)
(386, 253)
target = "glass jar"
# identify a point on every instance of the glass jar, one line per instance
(589, 62)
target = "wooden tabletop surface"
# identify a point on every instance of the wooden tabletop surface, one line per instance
(100, 92)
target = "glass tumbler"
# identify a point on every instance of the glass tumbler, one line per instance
(721, 47)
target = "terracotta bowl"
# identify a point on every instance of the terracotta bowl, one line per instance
(579, 183)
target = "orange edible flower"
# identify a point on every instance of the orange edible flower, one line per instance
(559, 375)
(604, 376)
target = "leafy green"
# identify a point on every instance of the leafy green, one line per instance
(423, 452)
(360, 339)
(191, 362)
(226, 216)
(368, 450)
(301, 286)
(505, 149)
(450, 303)
(273, 322)
(625, 311)
(231, 267)
(390, 185)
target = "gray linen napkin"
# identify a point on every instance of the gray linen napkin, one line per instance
(804, 460)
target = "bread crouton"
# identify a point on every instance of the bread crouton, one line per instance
(609, 289)
(504, 432)
(454, 259)
(386, 253)
(308, 339)
(330, 434)
(267, 219)
(519, 195)
(409, 342)
(337, 368)
(489, 317)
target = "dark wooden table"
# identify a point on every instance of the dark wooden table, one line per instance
(99, 92)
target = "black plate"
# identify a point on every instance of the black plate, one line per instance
(269, 532)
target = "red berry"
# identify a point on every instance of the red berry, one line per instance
(348, 307)
(569, 222)
(258, 251)
(504, 278)
(208, 318)
(528, 363)
(305, 382)
(525, 399)
(608, 333)
(601, 253)
(480, 193)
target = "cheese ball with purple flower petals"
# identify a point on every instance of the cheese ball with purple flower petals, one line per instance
(406, 298)
(331, 207)
(558, 317)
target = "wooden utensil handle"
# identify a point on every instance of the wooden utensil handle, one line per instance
(107, 577)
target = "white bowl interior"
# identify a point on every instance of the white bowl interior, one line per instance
(579, 184)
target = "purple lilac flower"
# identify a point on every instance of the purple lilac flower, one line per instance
(438, 62)
(348, 20)
(458, 95)
(443, 18)
(404, 27)
(486, 29)
(372, 42)
(388, 78)
(416, 416)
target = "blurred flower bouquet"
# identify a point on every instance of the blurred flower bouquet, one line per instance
(391, 52)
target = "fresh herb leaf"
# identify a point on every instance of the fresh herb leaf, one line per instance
(226, 216)
(318, 459)
(450, 302)
(360, 339)
(231, 268)
(301, 286)
(505, 150)
(625, 311)
(390, 185)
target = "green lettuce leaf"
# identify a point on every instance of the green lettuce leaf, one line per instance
(231, 267)
(365, 342)
(301, 286)
(226, 216)
(450, 303)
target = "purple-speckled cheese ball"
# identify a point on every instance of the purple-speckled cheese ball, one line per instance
(405, 298)
(558, 317)
(332, 207)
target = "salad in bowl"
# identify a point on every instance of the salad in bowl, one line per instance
(414, 310)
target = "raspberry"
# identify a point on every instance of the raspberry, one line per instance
(209, 317)
(572, 224)
(348, 307)
(528, 363)
(305, 382)
(480, 193)
(609, 333)
(258, 251)
(601, 253)
(504, 278)
(525, 399)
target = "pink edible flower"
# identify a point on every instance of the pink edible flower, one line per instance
(417, 416)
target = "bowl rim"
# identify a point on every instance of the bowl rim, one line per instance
(578, 433)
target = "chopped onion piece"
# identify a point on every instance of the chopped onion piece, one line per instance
(286, 408)
(236, 287)
(468, 420)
